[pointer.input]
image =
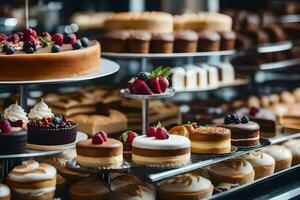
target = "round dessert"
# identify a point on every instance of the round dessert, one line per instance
(138, 42)
(122, 180)
(186, 186)
(262, 163)
(227, 40)
(4, 192)
(99, 151)
(232, 171)
(114, 41)
(133, 191)
(161, 43)
(161, 149)
(16, 116)
(90, 188)
(32, 181)
(244, 133)
(211, 140)
(127, 138)
(281, 155)
(185, 41)
(208, 41)
(151, 21)
(29, 57)
(45, 128)
(294, 147)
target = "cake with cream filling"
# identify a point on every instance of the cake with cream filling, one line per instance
(281, 155)
(99, 151)
(4, 192)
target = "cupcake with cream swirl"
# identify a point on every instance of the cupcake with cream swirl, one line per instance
(40, 111)
(16, 115)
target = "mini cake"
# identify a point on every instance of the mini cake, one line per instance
(281, 155)
(232, 171)
(227, 40)
(23, 57)
(4, 192)
(225, 73)
(186, 186)
(262, 163)
(208, 41)
(127, 138)
(158, 148)
(294, 147)
(133, 191)
(122, 180)
(32, 181)
(161, 43)
(114, 41)
(16, 116)
(138, 42)
(185, 41)
(71, 176)
(244, 133)
(211, 140)
(99, 152)
(45, 128)
(89, 189)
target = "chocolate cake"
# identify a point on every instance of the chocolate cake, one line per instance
(13, 143)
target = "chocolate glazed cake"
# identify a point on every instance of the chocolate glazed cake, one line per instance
(14, 142)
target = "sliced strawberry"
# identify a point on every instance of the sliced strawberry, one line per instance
(130, 84)
(140, 87)
(164, 83)
(154, 85)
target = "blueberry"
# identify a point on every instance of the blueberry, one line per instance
(84, 41)
(145, 76)
(29, 50)
(55, 48)
(227, 119)
(4, 47)
(245, 119)
(237, 120)
(77, 45)
(56, 120)
(9, 50)
(233, 117)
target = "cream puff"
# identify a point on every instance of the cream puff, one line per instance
(281, 155)
(294, 147)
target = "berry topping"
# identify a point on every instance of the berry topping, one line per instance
(77, 45)
(245, 119)
(70, 38)
(46, 35)
(55, 48)
(4, 48)
(128, 136)
(5, 126)
(46, 121)
(29, 50)
(21, 35)
(227, 119)
(14, 38)
(141, 87)
(158, 80)
(9, 50)
(161, 134)
(29, 45)
(56, 120)
(3, 37)
(29, 32)
(19, 123)
(101, 109)
(58, 39)
(145, 76)
(253, 111)
(130, 85)
(152, 130)
(85, 41)
(97, 139)
(237, 120)
(103, 134)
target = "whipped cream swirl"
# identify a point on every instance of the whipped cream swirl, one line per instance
(14, 113)
(40, 111)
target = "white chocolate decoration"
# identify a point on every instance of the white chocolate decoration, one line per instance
(4, 191)
(278, 152)
(14, 113)
(40, 111)
(258, 159)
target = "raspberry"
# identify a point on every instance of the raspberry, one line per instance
(14, 38)
(30, 40)
(101, 109)
(3, 37)
(161, 133)
(29, 32)
(19, 123)
(130, 137)
(21, 35)
(58, 39)
(46, 35)
(97, 139)
(70, 38)
(5, 126)
(151, 132)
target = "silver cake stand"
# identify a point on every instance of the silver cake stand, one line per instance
(145, 102)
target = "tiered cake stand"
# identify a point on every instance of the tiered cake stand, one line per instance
(107, 67)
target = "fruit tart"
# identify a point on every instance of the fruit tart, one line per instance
(127, 138)
(155, 82)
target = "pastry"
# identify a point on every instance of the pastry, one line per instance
(22, 59)
(32, 181)
(4, 192)
(186, 186)
(227, 40)
(151, 21)
(111, 123)
(159, 148)
(210, 140)
(281, 155)
(231, 171)
(89, 189)
(179, 130)
(115, 41)
(133, 191)
(127, 138)
(138, 42)
(71, 176)
(45, 128)
(294, 147)
(161, 43)
(185, 41)
(99, 151)
(208, 41)
(122, 180)
(262, 163)
(244, 133)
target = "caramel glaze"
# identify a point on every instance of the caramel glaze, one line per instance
(109, 148)
(159, 153)
(210, 134)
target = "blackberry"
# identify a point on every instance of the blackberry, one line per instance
(237, 120)
(227, 119)
(245, 119)
(9, 50)
(145, 76)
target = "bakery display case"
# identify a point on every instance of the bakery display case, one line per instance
(138, 100)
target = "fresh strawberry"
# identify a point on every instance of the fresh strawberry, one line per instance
(103, 134)
(140, 87)
(130, 84)
(154, 85)
(130, 136)
(5, 126)
(97, 139)
(160, 133)
(158, 79)
(151, 132)
(164, 83)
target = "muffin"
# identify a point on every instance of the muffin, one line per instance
(133, 191)
(281, 155)
(138, 42)
(4, 192)
(114, 41)
(122, 180)
(208, 41)
(32, 181)
(185, 41)
(161, 43)
(185, 187)
(228, 40)
(89, 189)
(294, 147)
(262, 163)
(231, 171)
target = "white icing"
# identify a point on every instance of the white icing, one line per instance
(34, 192)
(172, 143)
(4, 191)
(258, 159)
(195, 184)
(232, 167)
(278, 152)
(293, 146)
(14, 113)
(32, 171)
(40, 111)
